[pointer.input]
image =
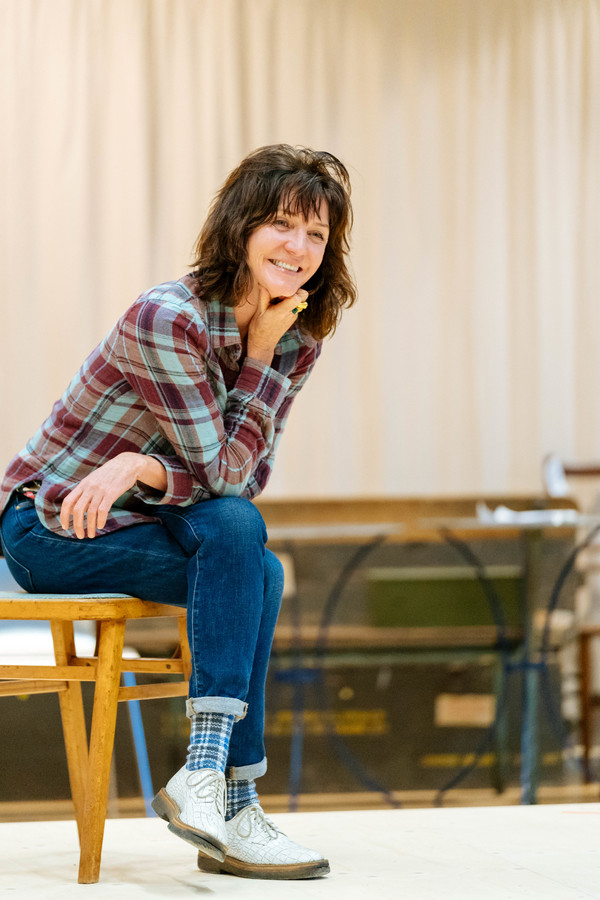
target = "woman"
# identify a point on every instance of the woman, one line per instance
(140, 480)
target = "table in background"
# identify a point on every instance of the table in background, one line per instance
(532, 525)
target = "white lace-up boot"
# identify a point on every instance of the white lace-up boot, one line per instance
(258, 849)
(193, 803)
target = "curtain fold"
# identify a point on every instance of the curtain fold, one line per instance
(472, 132)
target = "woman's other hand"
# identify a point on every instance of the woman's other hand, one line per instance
(89, 503)
(270, 322)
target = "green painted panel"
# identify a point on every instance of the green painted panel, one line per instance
(432, 597)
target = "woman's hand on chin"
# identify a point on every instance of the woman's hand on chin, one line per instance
(271, 321)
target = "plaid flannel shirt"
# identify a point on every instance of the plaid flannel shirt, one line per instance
(167, 381)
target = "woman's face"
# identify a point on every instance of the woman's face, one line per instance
(282, 255)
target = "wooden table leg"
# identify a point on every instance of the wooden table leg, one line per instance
(104, 718)
(185, 647)
(584, 696)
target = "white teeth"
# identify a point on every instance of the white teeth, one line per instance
(282, 265)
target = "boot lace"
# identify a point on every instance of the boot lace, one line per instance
(255, 821)
(208, 786)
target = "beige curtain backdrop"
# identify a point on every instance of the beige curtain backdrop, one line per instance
(472, 131)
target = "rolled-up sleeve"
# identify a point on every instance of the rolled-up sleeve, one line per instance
(180, 484)
(307, 358)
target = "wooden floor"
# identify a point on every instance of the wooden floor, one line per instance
(550, 852)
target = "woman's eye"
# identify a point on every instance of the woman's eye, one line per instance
(281, 222)
(318, 235)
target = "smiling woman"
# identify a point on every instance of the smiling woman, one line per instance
(171, 425)
(276, 190)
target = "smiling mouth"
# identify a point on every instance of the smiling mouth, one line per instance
(286, 267)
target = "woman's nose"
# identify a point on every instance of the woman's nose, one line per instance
(296, 240)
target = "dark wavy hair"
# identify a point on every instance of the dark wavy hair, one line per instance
(295, 179)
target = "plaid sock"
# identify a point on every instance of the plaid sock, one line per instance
(239, 795)
(209, 741)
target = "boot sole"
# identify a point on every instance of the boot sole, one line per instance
(208, 847)
(232, 866)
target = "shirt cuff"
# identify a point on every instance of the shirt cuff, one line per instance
(180, 483)
(263, 384)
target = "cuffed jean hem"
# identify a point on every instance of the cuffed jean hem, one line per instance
(246, 773)
(231, 706)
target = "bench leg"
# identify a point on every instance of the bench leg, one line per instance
(104, 717)
(73, 719)
(185, 647)
(584, 701)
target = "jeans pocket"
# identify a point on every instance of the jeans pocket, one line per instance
(25, 515)
(17, 521)
(19, 572)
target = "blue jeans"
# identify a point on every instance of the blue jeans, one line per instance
(210, 558)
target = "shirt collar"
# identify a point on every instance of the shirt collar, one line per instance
(222, 325)
(223, 328)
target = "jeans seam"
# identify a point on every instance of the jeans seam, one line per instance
(76, 542)
(194, 596)
(194, 592)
